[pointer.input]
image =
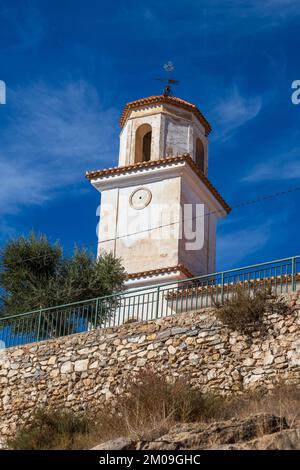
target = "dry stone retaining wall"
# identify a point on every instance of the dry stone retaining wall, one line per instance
(84, 371)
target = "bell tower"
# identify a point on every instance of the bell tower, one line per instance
(163, 126)
(158, 208)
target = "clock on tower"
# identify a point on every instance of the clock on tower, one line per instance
(158, 208)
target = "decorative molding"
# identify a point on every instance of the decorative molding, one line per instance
(155, 272)
(163, 99)
(92, 176)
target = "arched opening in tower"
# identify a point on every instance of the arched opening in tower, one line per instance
(143, 143)
(200, 154)
(147, 146)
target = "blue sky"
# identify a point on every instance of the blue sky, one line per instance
(70, 67)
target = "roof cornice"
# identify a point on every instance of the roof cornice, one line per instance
(164, 99)
(119, 170)
(156, 272)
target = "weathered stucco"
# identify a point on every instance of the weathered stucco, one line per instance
(174, 131)
(178, 226)
(134, 234)
(84, 371)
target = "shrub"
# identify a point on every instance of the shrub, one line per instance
(244, 310)
(51, 429)
(152, 402)
(283, 400)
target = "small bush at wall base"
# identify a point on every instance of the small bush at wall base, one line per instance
(51, 429)
(150, 404)
(151, 401)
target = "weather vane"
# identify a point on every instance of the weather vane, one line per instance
(168, 67)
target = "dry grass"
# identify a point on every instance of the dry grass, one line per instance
(146, 410)
(51, 429)
(283, 401)
(151, 403)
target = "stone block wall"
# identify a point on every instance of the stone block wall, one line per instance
(85, 371)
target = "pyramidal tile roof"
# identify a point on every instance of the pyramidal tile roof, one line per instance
(164, 99)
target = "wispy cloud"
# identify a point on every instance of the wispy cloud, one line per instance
(54, 135)
(282, 167)
(237, 245)
(234, 111)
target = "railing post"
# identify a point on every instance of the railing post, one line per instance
(293, 274)
(96, 313)
(39, 325)
(222, 286)
(157, 302)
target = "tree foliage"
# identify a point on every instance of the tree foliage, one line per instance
(35, 274)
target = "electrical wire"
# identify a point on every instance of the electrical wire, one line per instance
(266, 197)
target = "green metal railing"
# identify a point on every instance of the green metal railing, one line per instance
(146, 303)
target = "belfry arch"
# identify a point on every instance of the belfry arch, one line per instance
(200, 154)
(143, 139)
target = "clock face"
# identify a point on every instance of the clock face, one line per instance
(140, 198)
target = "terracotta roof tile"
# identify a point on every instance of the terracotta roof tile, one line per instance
(209, 286)
(154, 272)
(168, 100)
(90, 175)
